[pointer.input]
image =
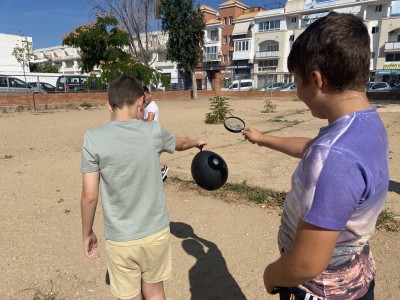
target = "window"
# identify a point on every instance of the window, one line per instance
(378, 8)
(214, 35)
(291, 38)
(269, 25)
(225, 39)
(372, 54)
(225, 20)
(294, 20)
(230, 20)
(225, 58)
(230, 40)
(210, 50)
(375, 29)
(268, 63)
(265, 65)
(393, 57)
(398, 38)
(230, 57)
(242, 46)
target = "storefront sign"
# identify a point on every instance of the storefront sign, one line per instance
(391, 67)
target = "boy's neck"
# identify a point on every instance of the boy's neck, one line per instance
(340, 105)
(125, 114)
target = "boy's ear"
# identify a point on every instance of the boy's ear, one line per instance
(319, 79)
(110, 107)
(139, 102)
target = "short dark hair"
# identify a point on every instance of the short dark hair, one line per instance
(124, 90)
(146, 89)
(337, 45)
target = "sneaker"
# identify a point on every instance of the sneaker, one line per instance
(164, 172)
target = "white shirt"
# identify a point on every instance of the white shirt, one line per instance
(152, 107)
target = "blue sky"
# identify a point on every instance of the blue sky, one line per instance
(46, 21)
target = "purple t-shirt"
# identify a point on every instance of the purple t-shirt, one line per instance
(341, 184)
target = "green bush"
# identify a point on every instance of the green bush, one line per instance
(219, 107)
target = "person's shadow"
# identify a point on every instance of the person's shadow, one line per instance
(209, 278)
(394, 186)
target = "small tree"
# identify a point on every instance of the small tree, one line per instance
(185, 27)
(219, 107)
(23, 54)
(102, 45)
(269, 107)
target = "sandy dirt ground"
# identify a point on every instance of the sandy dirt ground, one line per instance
(41, 245)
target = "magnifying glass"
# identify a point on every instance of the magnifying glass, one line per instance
(234, 124)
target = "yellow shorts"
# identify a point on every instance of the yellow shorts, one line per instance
(148, 259)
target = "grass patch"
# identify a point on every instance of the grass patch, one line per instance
(239, 192)
(7, 156)
(256, 194)
(86, 105)
(244, 193)
(387, 221)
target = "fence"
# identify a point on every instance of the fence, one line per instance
(54, 82)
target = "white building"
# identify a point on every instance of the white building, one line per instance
(8, 62)
(157, 55)
(276, 30)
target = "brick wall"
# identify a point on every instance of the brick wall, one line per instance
(37, 100)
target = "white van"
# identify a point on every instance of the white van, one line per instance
(240, 85)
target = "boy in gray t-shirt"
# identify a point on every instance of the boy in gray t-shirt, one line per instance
(121, 159)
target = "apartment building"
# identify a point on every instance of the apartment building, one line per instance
(66, 59)
(276, 30)
(157, 56)
(256, 42)
(8, 62)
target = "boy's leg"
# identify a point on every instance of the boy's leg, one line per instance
(153, 291)
(156, 264)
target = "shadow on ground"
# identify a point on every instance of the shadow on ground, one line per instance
(394, 186)
(209, 277)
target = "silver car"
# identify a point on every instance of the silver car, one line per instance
(377, 86)
(14, 85)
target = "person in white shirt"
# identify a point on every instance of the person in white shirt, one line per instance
(151, 114)
(151, 107)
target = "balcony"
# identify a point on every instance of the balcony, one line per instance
(211, 57)
(163, 64)
(392, 46)
(213, 40)
(241, 55)
(267, 54)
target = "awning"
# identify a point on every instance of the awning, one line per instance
(389, 72)
(241, 28)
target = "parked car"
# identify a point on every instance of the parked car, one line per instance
(15, 85)
(43, 85)
(73, 83)
(287, 87)
(240, 85)
(377, 86)
(78, 83)
(176, 86)
(272, 86)
(157, 88)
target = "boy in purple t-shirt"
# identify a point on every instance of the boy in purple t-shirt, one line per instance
(340, 185)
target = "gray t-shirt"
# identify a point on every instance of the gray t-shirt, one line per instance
(127, 154)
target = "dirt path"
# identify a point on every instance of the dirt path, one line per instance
(40, 214)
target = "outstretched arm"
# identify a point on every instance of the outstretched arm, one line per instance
(185, 143)
(293, 146)
(89, 198)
